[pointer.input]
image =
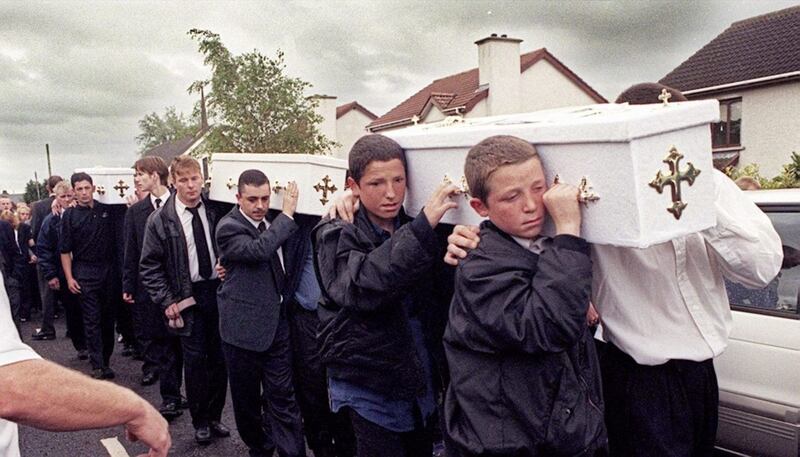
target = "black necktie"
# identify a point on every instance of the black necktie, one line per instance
(203, 257)
(274, 262)
(158, 203)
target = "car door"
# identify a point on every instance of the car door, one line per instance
(759, 373)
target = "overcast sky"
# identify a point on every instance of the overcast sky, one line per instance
(79, 75)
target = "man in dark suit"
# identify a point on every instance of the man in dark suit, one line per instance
(177, 271)
(161, 351)
(253, 324)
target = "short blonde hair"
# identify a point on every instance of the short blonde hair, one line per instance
(9, 216)
(183, 163)
(62, 187)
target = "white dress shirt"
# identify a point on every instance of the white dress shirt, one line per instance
(267, 224)
(668, 301)
(162, 197)
(186, 222)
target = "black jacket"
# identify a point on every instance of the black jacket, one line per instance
(48, 250)
(249, 299)
(525, 380)
(135, 223)
(365, 337)
(39, 211)
(9, 254)
(164, 265)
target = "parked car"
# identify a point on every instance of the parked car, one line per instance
(759, 373)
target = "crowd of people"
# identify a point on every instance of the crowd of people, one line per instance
(353, 334)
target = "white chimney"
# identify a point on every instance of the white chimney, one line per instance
(498, 67)
(327, 109)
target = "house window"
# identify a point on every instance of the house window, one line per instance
(727, 132)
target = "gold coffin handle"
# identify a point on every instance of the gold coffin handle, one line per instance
(230, 184)
(101, 190)
(463, 187)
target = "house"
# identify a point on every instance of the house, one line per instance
(753, 69)
(344, 124)
(504, 82)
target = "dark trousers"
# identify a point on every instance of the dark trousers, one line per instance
(98, 314)
(14, 291)
(204, 364)
(263, 381)
(49, 299)
(29, 290)
(372, 440)
(664, 410)
(329, 434)
(169, 365)
(74, 317)
(148, 329)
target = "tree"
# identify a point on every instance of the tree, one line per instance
(257, 108)
(34, 191)
(158, 130)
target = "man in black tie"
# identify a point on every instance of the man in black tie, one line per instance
(253, 323)
(176, 269)
(163, 360)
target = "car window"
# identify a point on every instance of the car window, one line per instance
(780, 295)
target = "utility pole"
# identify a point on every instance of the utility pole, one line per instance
(36, 180)
(49, 169)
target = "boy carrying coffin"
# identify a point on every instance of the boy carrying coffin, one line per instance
(376, 280)
(524, 373)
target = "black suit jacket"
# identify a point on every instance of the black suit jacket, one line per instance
(249, 299)
(135, 223)
(8, 249)
(39, 211)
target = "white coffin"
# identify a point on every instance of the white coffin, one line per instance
(319, 178)
(112, 185)
(619, 148)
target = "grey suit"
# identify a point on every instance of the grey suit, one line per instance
(255, 334)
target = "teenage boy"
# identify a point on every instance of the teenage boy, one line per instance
(375, 276)
(47, 248)
(253, 324)
(163, 359)
(524, 376)
(87, 256)
(665, 316)
(177, 270)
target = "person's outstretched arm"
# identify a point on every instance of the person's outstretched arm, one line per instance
(44, 395)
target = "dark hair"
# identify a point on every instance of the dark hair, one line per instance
(647, 93)
(252, 178)
(52, 181)
(490, 154)
(153, 164)
(373, 148)
(80, 176)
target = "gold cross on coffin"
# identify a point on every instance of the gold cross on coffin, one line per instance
(665, 96)
(325, 186)
(121, 187)
(674, 180)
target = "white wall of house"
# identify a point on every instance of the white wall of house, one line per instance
(349, 128)
(544, 87)
(770, 126)
(327, 109)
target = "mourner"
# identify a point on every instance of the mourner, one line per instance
(665, 316)
(87, 257)
(253, 323)
(177, 270)
(163, 358)
(519, 349)
(375, 276)
(48, 249)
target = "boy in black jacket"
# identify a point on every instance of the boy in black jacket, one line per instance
(524, 374)
(375, 279)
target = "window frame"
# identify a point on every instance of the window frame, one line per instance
(727, 102)
(772, 208)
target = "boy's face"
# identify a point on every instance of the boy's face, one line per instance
(381, 189)
(84, 191)
(514, 203)
(145, 182)
(188, 184)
